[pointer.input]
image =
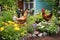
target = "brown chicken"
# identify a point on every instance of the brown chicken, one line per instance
(45, 16)
(23, 18)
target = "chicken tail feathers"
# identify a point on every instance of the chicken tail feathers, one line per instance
(50, 15)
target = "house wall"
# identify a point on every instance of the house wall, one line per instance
(41, 4)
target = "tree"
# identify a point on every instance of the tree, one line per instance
(8, 3)
(54, 4)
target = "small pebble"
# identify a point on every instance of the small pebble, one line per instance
(40, 35)
(36, 32)
(29, 35)
(44, 34)
(33, 35)
(58, 30)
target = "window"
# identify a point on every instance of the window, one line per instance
(29, 4)
(26, 5)
(31, 0)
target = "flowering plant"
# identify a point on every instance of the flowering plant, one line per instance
(50, 28)
(12, 31)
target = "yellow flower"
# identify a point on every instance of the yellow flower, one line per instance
(6, 24)
(3, 22)
(2, 28)
(17, 28)
(15, 25)
(22, 33)
(11, 23)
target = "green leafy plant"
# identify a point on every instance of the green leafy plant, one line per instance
(12, 33)
(1, 20)
(30, 20)
(7, 2)
(7, 15)
(30, 29)
(50, 28)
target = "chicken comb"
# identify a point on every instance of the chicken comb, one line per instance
(43, 9)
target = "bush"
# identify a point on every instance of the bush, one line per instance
(12, 31)
(50, 28)
(30, 30)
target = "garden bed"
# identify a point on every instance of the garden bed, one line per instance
(56, 37)
(10, 30)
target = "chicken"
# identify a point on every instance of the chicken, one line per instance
(23, 19)
(45, 16)
(14, 18)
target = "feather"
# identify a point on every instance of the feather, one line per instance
(45, 16)
(14, 19)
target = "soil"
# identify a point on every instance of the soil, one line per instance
(55, 37)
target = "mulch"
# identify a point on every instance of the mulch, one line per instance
(55, 37)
